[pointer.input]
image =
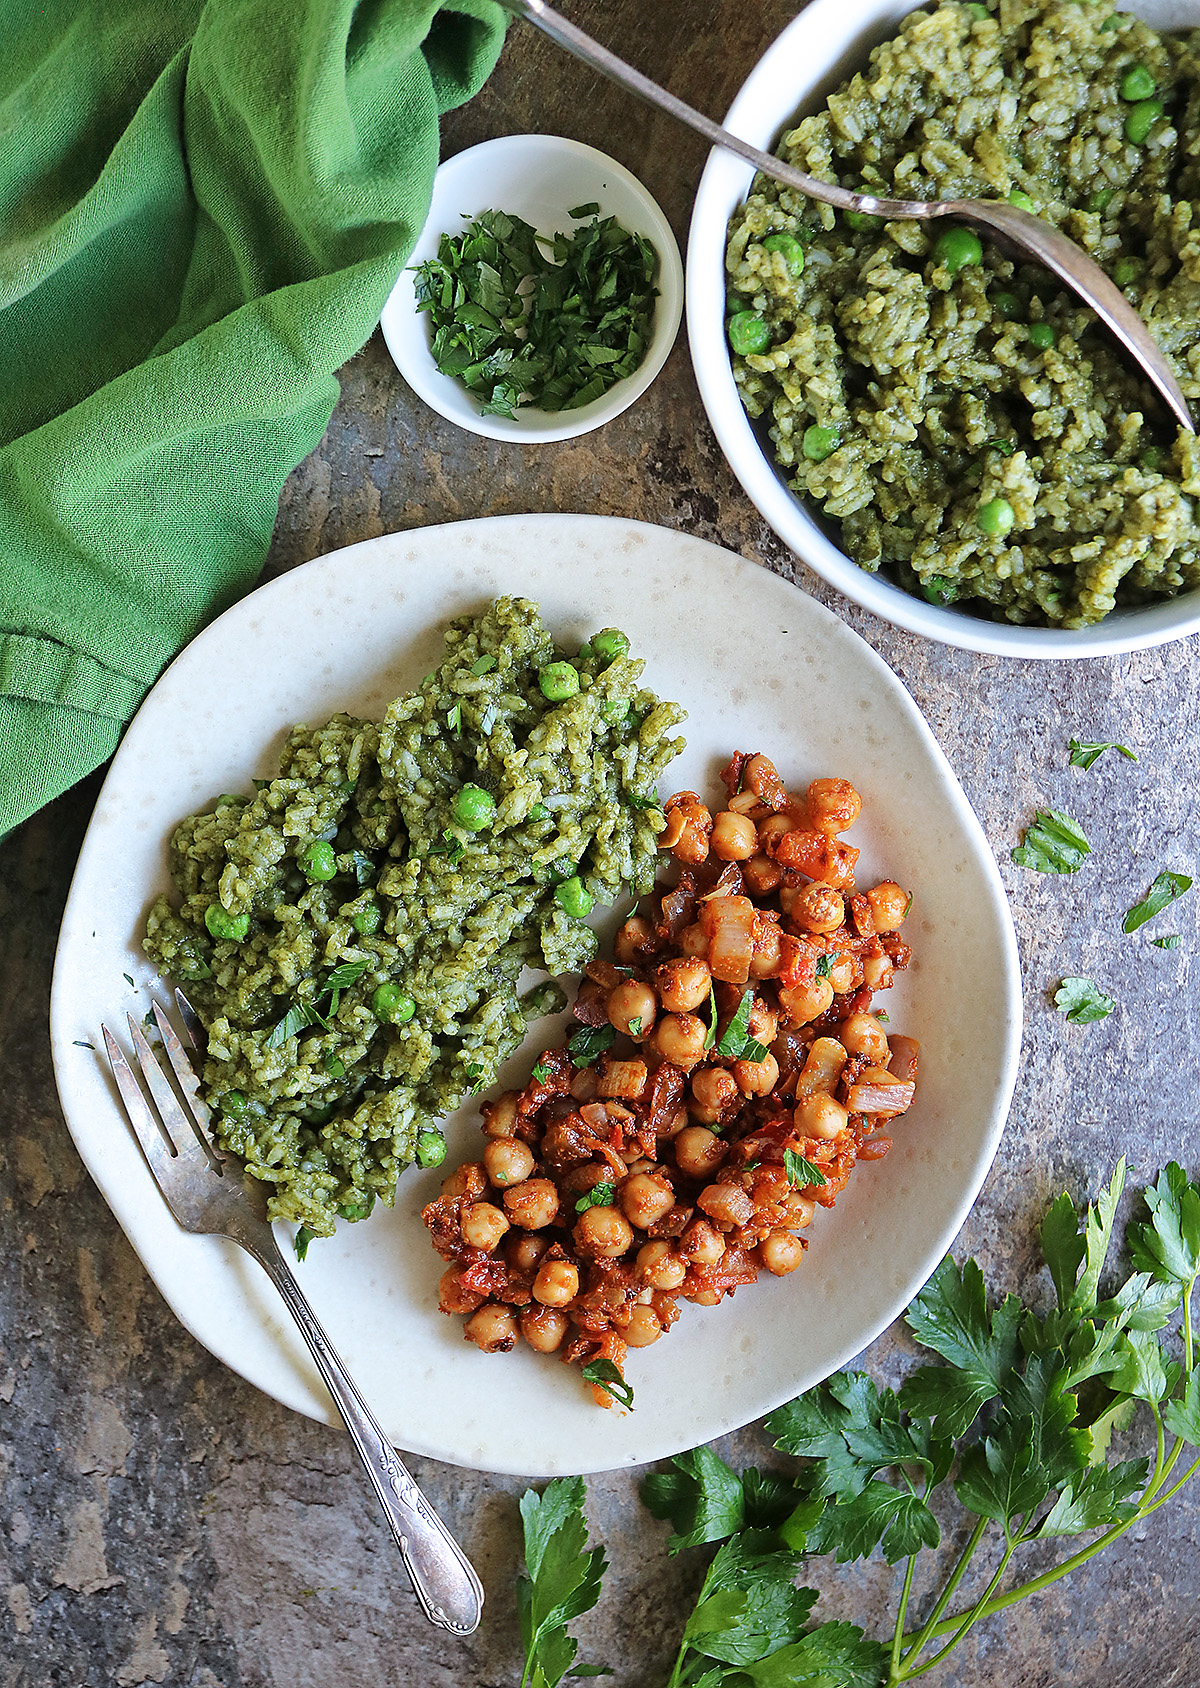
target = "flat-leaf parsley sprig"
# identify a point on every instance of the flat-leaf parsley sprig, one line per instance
(1017, 1419)
(563, 1581)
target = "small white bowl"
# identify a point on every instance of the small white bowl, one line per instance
(539, 178)
(820, 49)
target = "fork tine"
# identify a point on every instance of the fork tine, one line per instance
(189, 1084)
(179, 1127)
(155, 1143)
(191, 1021)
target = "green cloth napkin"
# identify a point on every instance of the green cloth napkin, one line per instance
(203, 207)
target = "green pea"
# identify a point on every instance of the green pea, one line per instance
(233, 1103)
(789, 249)
(977, 10)
(367, 919)
(938, 590)
(574, 898)
(1153, 458)
(820, 443)
(748, 333)
(610, 643)
(559, 681)
(956, 248)
(1126, 271)
(392, 1005)
(539, 812)
(1041, 335)
(1008, 305)
(475, 808)
(614, 710)
(862, 220)
(1022, 201)
(317, 861)
(735, 302)
(1142, 118)
(1137, 83)
(430, 1148)
(225, 927)
(1101, 199)
(996, 518)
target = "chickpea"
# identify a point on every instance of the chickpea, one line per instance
(699, 1152)
(889, 905)
(693, 943)
(493, 1328)
(632, 1008)
(877, 971)
(842, 972)
(500, 1116)
(761, 876)
(680, 1038)
(764, 1021)
(483, 1225)
(861, 1034)
(523, 1250)
(805, 1003)
(789, 895)
(781, 1252)
(799, 1209)
(633, 940)
(833, 805)
(727, 1204)
(543, 1328)
(702, 1243)
(771, 831)
(469, 1179)
(677, 1123)
(818, 908)
(705, 1298)
(734, 837)
(713, 1089)
(683, 985)
(453, 1296)
(689, 823)
(660, 1266)
(532, 1205)
(557, 1283)
(508, 1161)
(643, 1328)
(820, 1115)
(645, 1197)
(766, 961)
(757, 1078)
(602, 1232)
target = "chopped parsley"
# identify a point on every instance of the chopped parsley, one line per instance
(82, 1043)
(606, 1376)
(1173, 941)
(802, 1173)
(600, 1195)
(590, 1042)
(483, 665)
(1053, 844)
(301, 1241)
(540, 1073)
(825, 962)
(1082, 1001)
(710, 1037)
(1084, 754)
(335, 1067)
(1165, 889)
(454, 718)
(733, 1039)
(555, 329)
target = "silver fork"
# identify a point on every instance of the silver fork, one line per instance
(208, 1194)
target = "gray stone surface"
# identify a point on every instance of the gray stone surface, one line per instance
(162, 1522)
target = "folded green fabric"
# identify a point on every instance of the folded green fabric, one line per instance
(203, 207)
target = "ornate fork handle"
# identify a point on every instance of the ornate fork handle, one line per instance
(450, 1593)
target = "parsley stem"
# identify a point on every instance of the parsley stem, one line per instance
(981, 1608)
(898, 1635)
(1188, 1345)
(944, 1598)
(1160, 1500)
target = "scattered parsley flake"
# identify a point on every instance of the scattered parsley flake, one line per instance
(454, 718)
(301, 1241)
(802, 1173)
(882, 1015)
(297, 1017)
(483, 664)
(710, 1037)
(1165, 889)
(606, 1376)
(733, 1041)
(128, 980)
(1082, 1001)
(600, 1195)
(81, 1043)
(1173, 941)
(1084, 754)
(334, 1066)
(824, 963)
(540, 1073)
(590, 1042)
(1054, 843)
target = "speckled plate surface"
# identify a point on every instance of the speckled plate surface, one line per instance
(759, 666)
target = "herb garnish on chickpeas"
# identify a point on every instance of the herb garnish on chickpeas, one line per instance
(727, 1076)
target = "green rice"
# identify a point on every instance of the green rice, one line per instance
(946, 392)
(324, 1100)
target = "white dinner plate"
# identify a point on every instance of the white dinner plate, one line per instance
(760, 667)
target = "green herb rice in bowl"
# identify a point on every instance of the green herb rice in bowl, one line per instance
(968, 426)
(352, 935)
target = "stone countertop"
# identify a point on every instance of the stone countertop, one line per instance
(160, 1520)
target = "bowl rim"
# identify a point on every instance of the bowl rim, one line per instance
(755, 115)
(410, 351)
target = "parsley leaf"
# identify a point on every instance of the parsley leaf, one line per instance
(950, 1315)
(334, 1067)
(345, 974)
(590, 1042)
(1165, 889)
(802, 1173)
(1082, 1001)
(363, 867)
(301, 1241)
(606, 1376)
(733, 1040)
(297, 1017)
(1169, 1246)
(1171, 941)
(1085, 754)
(823, 966)
(600, 1195)
(1053, 844)
(563, 1581)
(702, 1498)
(540, 1073)
(710, 1036)
(82, 1043)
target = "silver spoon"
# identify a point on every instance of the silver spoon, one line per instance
(1012, 228)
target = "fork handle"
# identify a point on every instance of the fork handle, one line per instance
(443, 1578)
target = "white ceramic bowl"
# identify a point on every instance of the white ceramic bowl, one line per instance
(827, 43)
(540, 178)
